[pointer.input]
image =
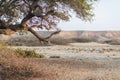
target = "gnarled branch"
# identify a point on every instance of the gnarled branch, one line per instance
(46, 39)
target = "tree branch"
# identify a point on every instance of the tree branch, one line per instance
(46, 39)
(4, 25)
(37, 35)
(54, 33)
(25, 19)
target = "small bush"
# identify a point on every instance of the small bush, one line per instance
(27, 53)
(84, 40)
(112, 42)
(23, 41)
(13, 67)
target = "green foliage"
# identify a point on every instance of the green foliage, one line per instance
(28, 53)
(16, 8)
(83, 8)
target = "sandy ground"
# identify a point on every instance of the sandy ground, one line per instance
(62, 69)
(79, 61)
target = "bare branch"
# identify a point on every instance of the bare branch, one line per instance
(46, 39)
(26, 18)
(37, 35)
(54, 33)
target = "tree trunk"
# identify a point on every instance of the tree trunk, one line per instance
(23, 23)
(37, 35)
(42, 39)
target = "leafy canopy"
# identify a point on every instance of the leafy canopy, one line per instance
(18, 15)
(48, 12)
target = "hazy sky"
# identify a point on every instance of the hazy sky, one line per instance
(107, 17)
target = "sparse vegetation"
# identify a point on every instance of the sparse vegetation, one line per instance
(113, 42)
(28, 40)
(14, 67)
(84, 40)
(21, 41)
(61, 41)
(28, 53)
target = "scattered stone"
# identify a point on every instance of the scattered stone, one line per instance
(54, 56)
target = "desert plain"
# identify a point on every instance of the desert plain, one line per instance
(78, 61)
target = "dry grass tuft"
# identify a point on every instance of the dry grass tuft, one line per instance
(13, 67)
(28, 53)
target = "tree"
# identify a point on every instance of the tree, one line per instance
(16, 15)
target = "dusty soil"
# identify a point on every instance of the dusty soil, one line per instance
(78, 61)
(62, 69)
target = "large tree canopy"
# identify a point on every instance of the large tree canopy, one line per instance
(16, 15)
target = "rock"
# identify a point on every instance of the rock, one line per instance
(54, 56)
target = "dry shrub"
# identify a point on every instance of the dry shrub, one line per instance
(112, 42)
(28, 53)
(84, 40)
(12, 67)
(23, 41)
(61, 41)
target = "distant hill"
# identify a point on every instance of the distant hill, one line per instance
(97, 35)
(112, 37)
